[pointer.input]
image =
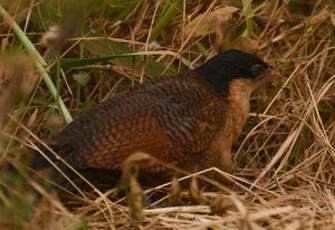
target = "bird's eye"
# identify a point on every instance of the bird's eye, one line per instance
(256, 69)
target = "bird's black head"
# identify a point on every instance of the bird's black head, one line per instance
(229, 65)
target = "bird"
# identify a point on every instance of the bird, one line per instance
(189, 120)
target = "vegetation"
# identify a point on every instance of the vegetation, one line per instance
(58, 58)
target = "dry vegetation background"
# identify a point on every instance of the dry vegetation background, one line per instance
(96, 49)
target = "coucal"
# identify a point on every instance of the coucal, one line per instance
(190, 120)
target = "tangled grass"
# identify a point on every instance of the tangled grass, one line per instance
(286, 153)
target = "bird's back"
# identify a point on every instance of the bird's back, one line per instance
(171, 118)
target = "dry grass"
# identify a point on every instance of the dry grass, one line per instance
(287, 149)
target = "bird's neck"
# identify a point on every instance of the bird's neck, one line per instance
(239, 94)
(238, 103)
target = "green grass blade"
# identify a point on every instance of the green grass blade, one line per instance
(39, 62)
(247, 12)
(73, 63)
(169, 11)
(125, 11)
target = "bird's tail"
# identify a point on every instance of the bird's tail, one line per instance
(46, 163)
(43, 157)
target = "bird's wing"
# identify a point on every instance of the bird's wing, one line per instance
(169, 121)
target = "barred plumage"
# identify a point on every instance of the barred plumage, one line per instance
(177, 119)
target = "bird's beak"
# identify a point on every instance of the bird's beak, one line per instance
(273, 74)
(270, 76)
